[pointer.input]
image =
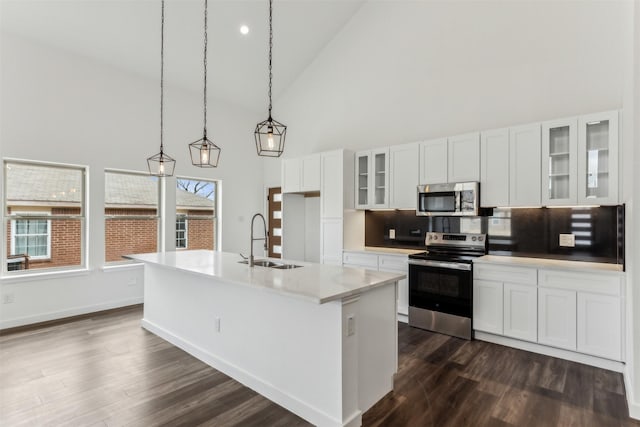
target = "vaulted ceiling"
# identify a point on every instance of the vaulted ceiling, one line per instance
(126, 34)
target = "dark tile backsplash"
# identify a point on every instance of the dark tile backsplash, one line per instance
(599, 231)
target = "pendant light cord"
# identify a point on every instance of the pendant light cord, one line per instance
(205, 67)
(270, 49)
(161, 77)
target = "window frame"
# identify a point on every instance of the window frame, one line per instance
(185, 231)
(159, 217)
(23, 213)
(217, 204)
(37, 216)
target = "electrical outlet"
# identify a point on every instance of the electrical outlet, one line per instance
(351, 325)
(8, 298)
(567, 240)
(217, 324)
(392, 233)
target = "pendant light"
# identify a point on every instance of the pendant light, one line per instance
(161, 164)
(270, 134)
(204, 153)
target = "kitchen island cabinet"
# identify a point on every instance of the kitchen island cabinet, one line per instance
(319, 340)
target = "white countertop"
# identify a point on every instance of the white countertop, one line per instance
(385, 251)
(318, 283)
(548, 263)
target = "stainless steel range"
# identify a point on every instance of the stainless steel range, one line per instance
(441, 283)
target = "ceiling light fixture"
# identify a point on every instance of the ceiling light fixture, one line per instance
(204, 153)
(161, 164)
(270, 134)
(244, 30)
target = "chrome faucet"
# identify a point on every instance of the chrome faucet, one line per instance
(265, 238)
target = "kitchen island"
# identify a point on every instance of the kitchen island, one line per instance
(319, 340)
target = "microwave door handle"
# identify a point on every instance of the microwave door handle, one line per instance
(458, 201)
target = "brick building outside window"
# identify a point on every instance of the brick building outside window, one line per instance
(44, 209)
(45, 215)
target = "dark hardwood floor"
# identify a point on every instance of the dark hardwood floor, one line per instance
(105, 370)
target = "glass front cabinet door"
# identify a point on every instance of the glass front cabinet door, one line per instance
(362, 180)
(372, 179)
(560, 162)
(598, 159)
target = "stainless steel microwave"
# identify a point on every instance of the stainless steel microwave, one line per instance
(449, 199)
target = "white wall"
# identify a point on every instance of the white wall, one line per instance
(405, 71)
(59, 107)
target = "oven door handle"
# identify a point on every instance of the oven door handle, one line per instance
(442, 264)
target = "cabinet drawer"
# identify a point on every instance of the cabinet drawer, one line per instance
(360, 259)
(501, 273)
(394, 263)
(607, 284)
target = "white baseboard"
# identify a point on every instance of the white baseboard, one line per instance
(403, 318)
(76, 311)
(586, 359)
(268, 390)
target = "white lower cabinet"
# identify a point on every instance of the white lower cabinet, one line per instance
(487, 306)
(557, 318)
(561, 308)
(520, 311)
(398, 264)
(600, 325)
(388, 263)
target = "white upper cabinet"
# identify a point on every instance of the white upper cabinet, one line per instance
(301, 174)
(372, 179)
(454, 159)
(291, 175)
(524, 165)
(362, 179)
(433, 161)
(598, 158)
(403, 178)
(494, 168)
(463, 154)
(310, 173)
(560, 162)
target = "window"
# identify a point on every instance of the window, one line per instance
(44, 215)
(181, 232)
(131, 214)
(31, 237)
(196, 224)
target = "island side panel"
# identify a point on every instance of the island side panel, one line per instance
(287, 349)
(378, 344)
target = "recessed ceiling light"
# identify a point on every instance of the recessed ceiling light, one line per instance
(244, 29)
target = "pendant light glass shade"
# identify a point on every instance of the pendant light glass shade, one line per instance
(161, 164)
(204, 153)
(270, 134)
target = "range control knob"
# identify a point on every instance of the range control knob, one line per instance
(481, 238)
(435, 237)
(473, 238)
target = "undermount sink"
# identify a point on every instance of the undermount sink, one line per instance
(285, 266)
(267, 263)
